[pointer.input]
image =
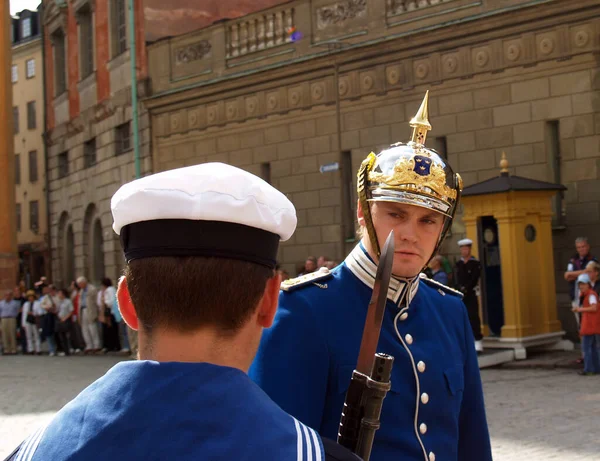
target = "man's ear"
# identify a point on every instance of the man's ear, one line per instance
(268, 303)
(360, 215)
(125, 305)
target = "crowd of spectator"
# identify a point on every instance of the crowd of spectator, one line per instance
(81, 319)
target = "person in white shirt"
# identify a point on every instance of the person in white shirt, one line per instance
(32, 311)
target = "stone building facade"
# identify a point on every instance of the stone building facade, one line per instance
(89, 130)
(293, 90)
(27, 78)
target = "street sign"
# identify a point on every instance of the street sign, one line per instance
(329, 167)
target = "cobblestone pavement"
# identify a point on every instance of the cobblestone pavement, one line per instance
(534, 415)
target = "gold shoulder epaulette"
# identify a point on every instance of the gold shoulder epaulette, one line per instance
(442, 289)
(307, 279)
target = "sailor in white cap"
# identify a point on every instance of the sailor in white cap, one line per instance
(200, 286)
(468, 271)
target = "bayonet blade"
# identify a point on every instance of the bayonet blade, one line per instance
(370, 338)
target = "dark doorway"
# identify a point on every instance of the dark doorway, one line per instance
(491, 275)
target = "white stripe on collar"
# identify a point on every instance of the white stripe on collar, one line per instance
(363, 267)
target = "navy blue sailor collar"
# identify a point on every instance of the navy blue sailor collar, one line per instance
(364, 268)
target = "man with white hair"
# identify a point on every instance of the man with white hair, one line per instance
(88, 315)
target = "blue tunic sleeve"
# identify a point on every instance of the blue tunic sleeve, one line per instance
(474, 437)
(292, 362)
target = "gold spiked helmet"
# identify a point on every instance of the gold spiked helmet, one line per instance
(412, 174)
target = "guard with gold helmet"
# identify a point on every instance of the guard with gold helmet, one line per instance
(435, 408)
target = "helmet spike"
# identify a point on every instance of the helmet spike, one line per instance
(420, 122)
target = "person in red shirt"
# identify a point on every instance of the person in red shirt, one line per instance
(590, 326)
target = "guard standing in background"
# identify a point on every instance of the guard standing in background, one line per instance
(468, 271)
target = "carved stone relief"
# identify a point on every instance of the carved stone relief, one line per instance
(340, 12)
(273, 101)
(344, 86)
(231, 110)
(481, 57)
(393, 74)
(317, 91)
(581, 37)
(513, 50)
(252, 105)
(192, 52)
(421, 69)
(212, 114)
(450, 63)
(295, 96)
(194, 118)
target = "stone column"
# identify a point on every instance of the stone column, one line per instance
(8, 227)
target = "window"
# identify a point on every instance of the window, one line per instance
(265, 172)
(30, 68)
(123, 138)
(18, 210)
(14, 76)
(60, 75)
(63, 164)
(31, 119)
(86, 42)
(16, 119)
(439, 145)
(89, 153)
(17, 169)
(552, 139)
(33, 166)
(119, 27)
(34, 216)
(26, 28)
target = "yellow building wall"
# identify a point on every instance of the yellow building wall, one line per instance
(27, 140)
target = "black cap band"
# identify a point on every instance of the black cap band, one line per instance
(182, 237)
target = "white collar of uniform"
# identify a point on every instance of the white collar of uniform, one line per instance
(362, 266)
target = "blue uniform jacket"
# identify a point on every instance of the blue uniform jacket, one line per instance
(181, 411)
(435, 409)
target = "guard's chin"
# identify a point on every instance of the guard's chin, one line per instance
(405, 272)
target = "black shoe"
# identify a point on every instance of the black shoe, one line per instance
(586, 373)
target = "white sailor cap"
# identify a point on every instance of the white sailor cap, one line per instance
(464, 242)
(212, 209)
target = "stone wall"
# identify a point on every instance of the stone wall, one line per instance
(83, 196)
(497, 81)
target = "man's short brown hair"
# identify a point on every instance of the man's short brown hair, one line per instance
(189, 293)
